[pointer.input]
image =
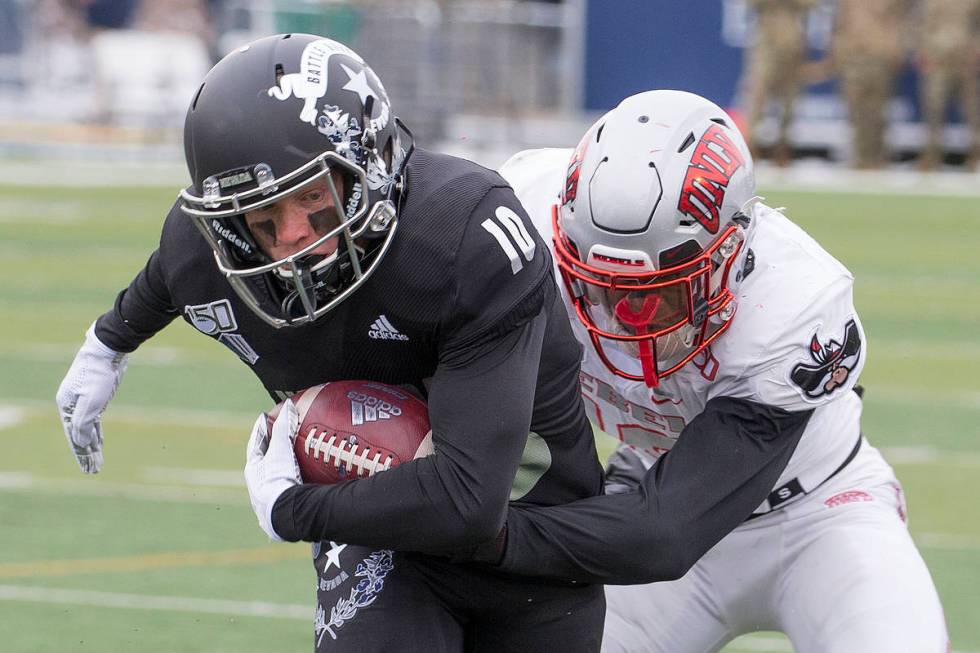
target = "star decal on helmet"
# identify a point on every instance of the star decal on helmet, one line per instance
(357, 83)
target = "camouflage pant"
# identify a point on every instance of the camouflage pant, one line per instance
(867, 90)
(939, 82)
(771, 75)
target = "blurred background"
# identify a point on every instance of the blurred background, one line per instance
(863, 117)
(864, 83)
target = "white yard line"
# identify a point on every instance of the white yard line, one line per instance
(919, 396)
(148, 602)
(168, 356)
(19, 481)
(11, 416)
(150, 355)
(121, 600)
(956, 350)
(947, 541)
(757, 643)
(805, 176)
(142, 415)
(91, 174)
(930, 456)
(183, 476)
(235, 494)
(778, 644)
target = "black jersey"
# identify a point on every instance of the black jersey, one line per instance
(463, 307)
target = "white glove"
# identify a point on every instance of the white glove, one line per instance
(83, 396)
(270, 466)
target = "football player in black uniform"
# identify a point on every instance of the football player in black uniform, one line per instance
(318, 244)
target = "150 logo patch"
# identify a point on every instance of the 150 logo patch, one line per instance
(218, 319)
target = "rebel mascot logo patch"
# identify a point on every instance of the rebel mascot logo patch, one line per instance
(832, 363)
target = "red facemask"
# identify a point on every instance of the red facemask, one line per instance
(663, 318)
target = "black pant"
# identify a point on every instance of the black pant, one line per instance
(379, 600)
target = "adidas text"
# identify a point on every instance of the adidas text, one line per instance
(382, 329)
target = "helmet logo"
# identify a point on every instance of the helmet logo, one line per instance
(574, 169)
(343, 130)
(715, 160)
(230, 236)
(310, 83)
(357, 83)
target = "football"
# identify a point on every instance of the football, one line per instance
(355, 429)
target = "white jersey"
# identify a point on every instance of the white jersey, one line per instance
(806, 569)
(795, 343)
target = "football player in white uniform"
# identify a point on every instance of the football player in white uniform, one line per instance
(684, 287)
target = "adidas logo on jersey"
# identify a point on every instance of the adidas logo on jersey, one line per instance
(381, 329)
(365, 408)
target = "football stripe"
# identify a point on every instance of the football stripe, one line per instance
(306, 399)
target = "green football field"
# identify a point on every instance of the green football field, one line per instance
(161, 551)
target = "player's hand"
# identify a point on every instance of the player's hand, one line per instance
(270, 464)
(84, 395)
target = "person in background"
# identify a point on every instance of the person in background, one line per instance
(949, 62)
(866, 53)
(774, 68)
(188, 17)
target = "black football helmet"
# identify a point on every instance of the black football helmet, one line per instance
(270, 119)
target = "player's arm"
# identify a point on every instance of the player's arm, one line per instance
(140, 311)
(723, 466)
(480, 404)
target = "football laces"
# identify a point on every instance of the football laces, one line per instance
(341, 451)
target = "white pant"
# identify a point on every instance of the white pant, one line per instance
(836, 571)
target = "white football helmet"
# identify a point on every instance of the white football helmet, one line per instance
(652, 230)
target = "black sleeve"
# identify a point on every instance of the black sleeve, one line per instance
(140, 311)
(479, 409)
(502, 275)
(481, 400)
(723, 466)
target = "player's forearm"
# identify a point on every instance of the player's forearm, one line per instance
(721, 469)
(618, 539)
(420, 506)
(480, 414)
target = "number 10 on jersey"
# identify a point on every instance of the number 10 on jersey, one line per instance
(518, 233)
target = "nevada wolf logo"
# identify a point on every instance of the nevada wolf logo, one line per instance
(833, 363)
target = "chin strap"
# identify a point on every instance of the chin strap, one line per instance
(639, 321)
(648, 364)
